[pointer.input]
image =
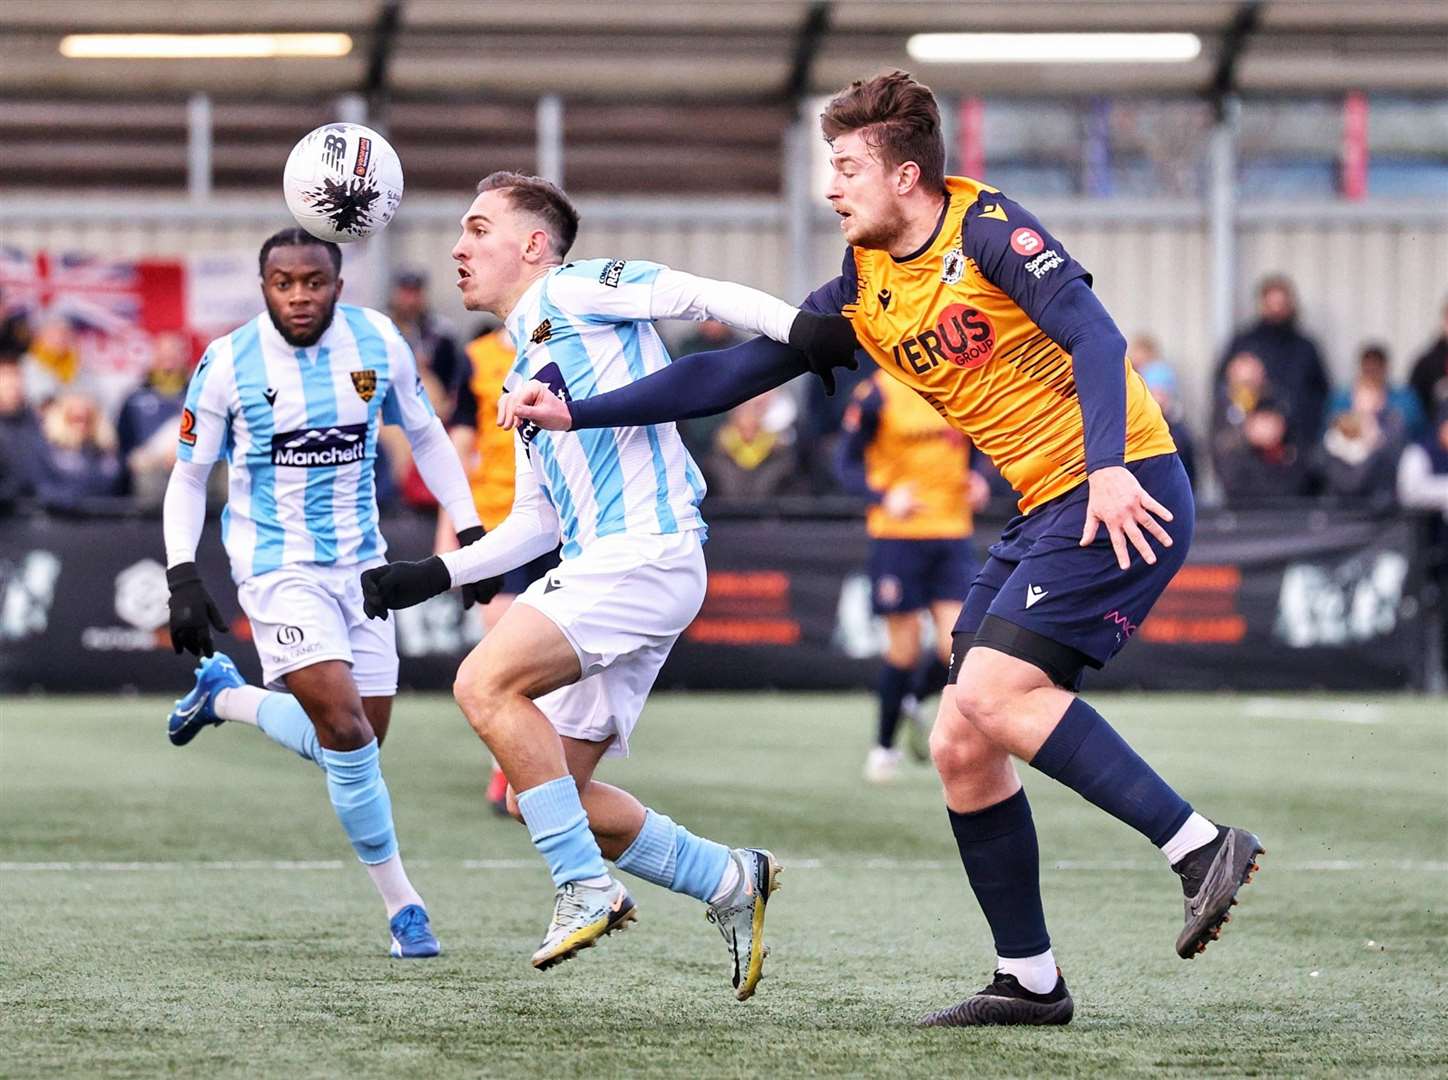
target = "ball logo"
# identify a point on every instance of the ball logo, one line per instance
(289, 635)
(334, 148)
(364, 156)
(1026, 242)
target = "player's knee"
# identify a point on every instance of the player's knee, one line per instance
(340, 727)
(955, 749)
(985, 707)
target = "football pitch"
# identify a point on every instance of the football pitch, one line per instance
(198, 912)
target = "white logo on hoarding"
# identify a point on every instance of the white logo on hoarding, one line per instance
(27, 589)
(141, 595)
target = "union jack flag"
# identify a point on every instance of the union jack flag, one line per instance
(109, 297)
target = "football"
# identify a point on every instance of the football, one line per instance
(343, 182)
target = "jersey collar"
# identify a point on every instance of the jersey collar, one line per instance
(935, 235)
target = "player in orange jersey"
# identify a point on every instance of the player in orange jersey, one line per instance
(914, 468)
(963, 295)
(487, 453)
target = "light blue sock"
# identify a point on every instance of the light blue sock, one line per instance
(559, 829)
(359, 795)
(282, 719)
(671, 856)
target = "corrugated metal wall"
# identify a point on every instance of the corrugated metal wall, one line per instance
(1361, 277)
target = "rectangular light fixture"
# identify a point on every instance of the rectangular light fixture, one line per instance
(198, 46)
(1088, 48)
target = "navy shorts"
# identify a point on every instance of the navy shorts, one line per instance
(910, 575)
(1044, 598)
(520, 577)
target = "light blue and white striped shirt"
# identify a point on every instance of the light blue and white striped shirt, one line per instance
(583, 329)
(298, 429)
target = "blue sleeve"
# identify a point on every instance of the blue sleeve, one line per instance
(1016, 253)
(1076, 321)
(701, 384)
(860, 425)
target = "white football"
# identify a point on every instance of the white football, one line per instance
(343, 182)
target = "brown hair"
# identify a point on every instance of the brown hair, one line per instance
(899, 119)
(539, 197)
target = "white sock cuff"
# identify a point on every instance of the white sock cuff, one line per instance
(240, 703)
(1036, 973)
(1195, 832)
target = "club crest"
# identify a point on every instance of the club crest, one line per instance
(365, 383)
(952, 266)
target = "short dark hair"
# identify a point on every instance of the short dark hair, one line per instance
(1276, 282)
(539, 197)
(295, 237)
(899, 120)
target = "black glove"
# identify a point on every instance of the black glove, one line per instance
(827, 341)
(402, 584)
(477, 592)
(193, 615)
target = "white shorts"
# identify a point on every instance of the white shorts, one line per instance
(621, 603)
(303, 614)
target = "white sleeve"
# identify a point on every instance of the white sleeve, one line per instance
(205, 418)
(677, 295)
(531, 529)
(183, 511)
(612, 290)
(437, 463)
(1419, 488)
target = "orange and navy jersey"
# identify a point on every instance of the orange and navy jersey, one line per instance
(490, 471)
(953, 322)
(892, 438)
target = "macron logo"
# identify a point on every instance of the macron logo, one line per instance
(1034, 593)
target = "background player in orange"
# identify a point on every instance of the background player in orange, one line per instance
(915, 470)
(486, 452)
(962, 294)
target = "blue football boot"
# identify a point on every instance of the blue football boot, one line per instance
(197, 709)
(412, 937)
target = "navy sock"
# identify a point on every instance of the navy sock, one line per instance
(998, 847)
(894, 683)
(1087, 755)
(930, 678)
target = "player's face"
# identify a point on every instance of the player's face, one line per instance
(862, 190)
(301, 290)
(490, 251)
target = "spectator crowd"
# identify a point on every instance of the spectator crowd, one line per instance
(1278, 428)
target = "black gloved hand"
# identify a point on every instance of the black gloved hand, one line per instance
(402, 584)
(477, 592)
(193, 615)
(827, 341)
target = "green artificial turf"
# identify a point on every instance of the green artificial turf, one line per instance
(198, 912)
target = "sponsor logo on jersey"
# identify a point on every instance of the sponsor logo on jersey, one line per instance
(365, 383)
(1044, 263)
(290, 635)
(611, 273)
(542, 332)
(1026, 242)
(364, 157)
(188, 427)
(962, 335)
(952, 267)
(315, 448)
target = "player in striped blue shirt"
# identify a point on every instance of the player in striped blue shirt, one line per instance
(560, 680)
(293, 401)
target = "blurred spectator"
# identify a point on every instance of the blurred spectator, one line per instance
(53, 360)
(1292, 363)
(751, 458)
(14, 332)
(707, 336)
(146, 427)
(1161, 379)
(1429, 378)
(78, 464)
(439, 361)
(1358, 460)
(1423, 485)
(1254, 461)
(20, 439)
(1400, 400)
